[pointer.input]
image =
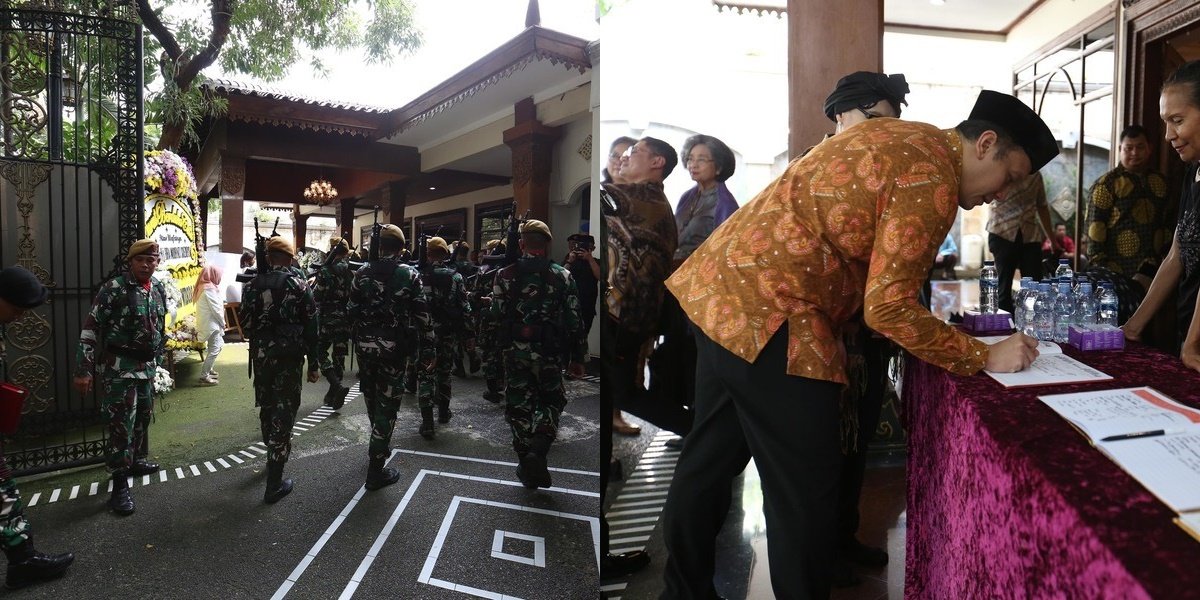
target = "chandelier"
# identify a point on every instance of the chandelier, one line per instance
(320, 191)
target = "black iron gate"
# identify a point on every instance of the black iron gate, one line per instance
(70, 199)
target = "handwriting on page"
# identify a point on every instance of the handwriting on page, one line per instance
(1169, 466)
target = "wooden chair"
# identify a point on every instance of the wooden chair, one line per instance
(232, 323)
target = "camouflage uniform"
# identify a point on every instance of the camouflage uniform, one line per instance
(389, 311)
(447, 296)
(14, 527)
(487, 341)
(280, 314)
(537, 306)
(332, 292)
(467, 270)
(126, 325)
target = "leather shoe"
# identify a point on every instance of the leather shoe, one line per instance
(273, 496)
(142, 466)
(675, 443)
(864, 555)
(121, 502)
(38, 567)
(613, 566)
(532, 471)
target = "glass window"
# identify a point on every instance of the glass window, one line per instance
(491, 221)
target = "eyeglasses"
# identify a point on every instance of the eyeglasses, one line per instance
(630, 151)
(696, 160)
(868, 115)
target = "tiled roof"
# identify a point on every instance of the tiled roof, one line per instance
(263, 91)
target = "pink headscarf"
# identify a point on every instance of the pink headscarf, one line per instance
(210, 278)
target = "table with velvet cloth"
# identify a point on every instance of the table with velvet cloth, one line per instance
(1006, 499)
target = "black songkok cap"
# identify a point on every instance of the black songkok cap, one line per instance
(1027, 129)
(865, 88)
(21, 288)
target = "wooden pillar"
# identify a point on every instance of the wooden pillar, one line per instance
(532, 145)
(395, 194)
(232, 186)
(833, 39)
(345, 219)
(301, 229)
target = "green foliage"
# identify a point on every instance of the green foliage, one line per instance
(265, 39)
(183, 108)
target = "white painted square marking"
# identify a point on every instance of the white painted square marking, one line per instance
(54, 496)
(260, 451)
(539, 548)
(34, 499)
(246, 454)
(145, 480)
(195, 470)
(94, 489)
(162, 476)
(235, 459)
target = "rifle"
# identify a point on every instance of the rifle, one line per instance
(260, 253)
(512, 243)
(373, 249)
(422, 251)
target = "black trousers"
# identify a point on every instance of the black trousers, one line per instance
(789, 425)
(870, 405)
(1011, 257)
(619, 350)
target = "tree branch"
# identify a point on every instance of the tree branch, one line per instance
(222, 13)
(158, 30)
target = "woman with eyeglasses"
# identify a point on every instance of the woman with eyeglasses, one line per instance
(704, 207)
(610, 173)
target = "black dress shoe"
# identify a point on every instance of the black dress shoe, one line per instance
(121, 502)
(142, 466)
(675, 443)
(613, 566)
(38, 567)
(864, 555)
(843, 576)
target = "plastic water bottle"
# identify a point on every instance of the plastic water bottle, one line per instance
(1027, 309)
(1019, 303)
(1085, 305)
(1064, 311)
(1109, 305)
(1043, 313)
(988, 288)
(1064, 270)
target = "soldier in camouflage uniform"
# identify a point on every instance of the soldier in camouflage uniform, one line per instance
(488, 342)
(332, 292)
(20, 291)
(123, 338)
(447, 296)
(537, 305)
(467, 269)
(389, 311)
(280, 313)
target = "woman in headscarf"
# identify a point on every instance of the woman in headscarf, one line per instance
(210, 319)
(704, 207)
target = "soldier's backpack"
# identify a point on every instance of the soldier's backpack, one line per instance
(375, 315)
(138, 346)
(549, 333)
(283, 338)
(445, 310)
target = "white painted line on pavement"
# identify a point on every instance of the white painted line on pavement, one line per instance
(145, 480)
(235, 459)
(162, 476)
(94, 489)
(208, 465)
(34, 499)
(246, 454)
(178, 472)
(74, 493)
(492, 462)
(222, 462)
(54, 495)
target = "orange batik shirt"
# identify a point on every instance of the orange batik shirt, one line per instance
(854, 223)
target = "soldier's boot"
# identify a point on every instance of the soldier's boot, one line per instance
(143, 466)
(426, 430)
(335, 398)
(410, 381)
(28, 566)
(378, 476)
(277, 486)
(495, 391)
(473, 359)
(458, 366)
(444, 412)
(121, 502)
(532, 470)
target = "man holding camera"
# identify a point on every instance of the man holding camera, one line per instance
(586, 273)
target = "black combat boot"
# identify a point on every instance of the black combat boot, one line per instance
(277, 486)
(458, 366)
(378, 476)
(120, 501)
(495, 391)
(473, 359)
(143, 466)
(410, 381)
(27, 566)
(426, 430)
(335, 398)
(532, 470)
(444, 412)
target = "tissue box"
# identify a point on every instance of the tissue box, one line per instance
(976, 322)
(1096, 337)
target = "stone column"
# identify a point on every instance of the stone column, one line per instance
(532, 145)
(833, 39)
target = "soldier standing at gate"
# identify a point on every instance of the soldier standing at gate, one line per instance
(537, 306)
(20, 291)
(279, 311)
(389, 311)
(123, 339)
(447, 296)
(332, 292)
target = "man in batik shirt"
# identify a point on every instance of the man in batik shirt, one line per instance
(855, 223)
(1127, 212)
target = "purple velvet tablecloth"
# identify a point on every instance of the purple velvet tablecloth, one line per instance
(1006, 500)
